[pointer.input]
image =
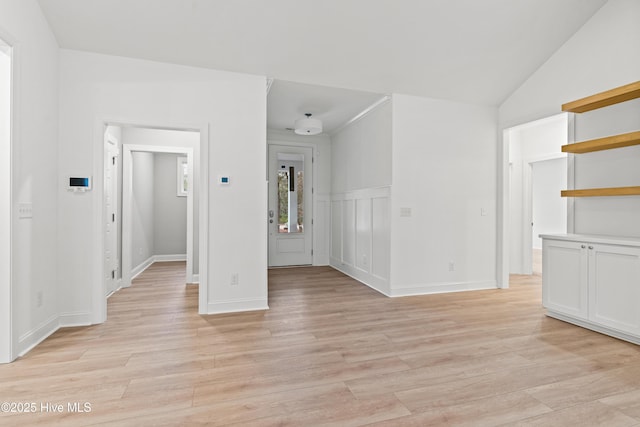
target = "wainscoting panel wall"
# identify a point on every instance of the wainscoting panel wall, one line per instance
(321, 224)
(360, 232)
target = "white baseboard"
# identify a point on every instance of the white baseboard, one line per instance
(321, 261)
(235, 306)
(137, 270)
(376, 283)
(34, 337)
(439, 288)
(167, 258)
(194, 280)
(68, 320)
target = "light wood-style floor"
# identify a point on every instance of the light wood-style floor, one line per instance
(330, 351)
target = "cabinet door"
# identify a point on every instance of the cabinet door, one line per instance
(614, 287)
(564, 277)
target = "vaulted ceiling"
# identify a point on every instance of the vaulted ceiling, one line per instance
(475, 51)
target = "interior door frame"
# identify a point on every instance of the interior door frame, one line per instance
(110, 139)
(8, 336)
(527, 210)
(99, 302)
(294, 146)
(504, 200)
(127, 192)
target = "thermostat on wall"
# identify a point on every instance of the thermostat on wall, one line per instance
(223, 180)
(79, 183)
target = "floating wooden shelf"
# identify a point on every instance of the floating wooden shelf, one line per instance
(604, 99)
(599, 192)
(608, 143)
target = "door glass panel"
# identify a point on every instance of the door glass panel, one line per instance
(283, 201)
(300, 191)
(290, 193)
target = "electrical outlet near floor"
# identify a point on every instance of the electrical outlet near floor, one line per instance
(234, 279)
(451, 266)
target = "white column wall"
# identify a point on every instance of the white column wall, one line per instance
(443, 197)
(34, 294)
(98, 87)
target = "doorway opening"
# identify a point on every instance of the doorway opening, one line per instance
(535, 170)
(290, 205)
(155, 214)
(6, 204)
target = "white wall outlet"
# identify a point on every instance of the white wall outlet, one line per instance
(234, 279)
(451, 266)
(405, 212)
(364, 259)
(25, 210)
(139, 251)
(483, 211)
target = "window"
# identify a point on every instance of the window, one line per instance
(182, 177)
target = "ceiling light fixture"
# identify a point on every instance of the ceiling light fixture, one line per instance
(308, 126)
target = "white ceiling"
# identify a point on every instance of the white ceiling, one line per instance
(475, 51)
(288, 101)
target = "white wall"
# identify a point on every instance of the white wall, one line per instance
(143, 207)
(549, 177)
(361, 152)
(159, 216)
(361, 172)
(174, 138)
(321, 145)
(615, 216)
(600, 56)
(528, 144)
(444, 172)
(34, 304)
(170, 224)
(97, 87)
(5, 202)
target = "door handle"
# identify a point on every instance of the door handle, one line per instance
(583, 246)
(271, 213)
(590, 247)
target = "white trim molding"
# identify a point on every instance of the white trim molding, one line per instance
(140, 268)
(99, 301)
(234, 306)
(32, 338)
(439, 288)
(81, 318)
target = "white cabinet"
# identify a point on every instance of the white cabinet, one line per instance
(564, 277)
(614, 287)
(593, 281)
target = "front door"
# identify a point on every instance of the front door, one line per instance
(290, 206)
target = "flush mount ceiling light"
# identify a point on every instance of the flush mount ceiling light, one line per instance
(308, 126)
